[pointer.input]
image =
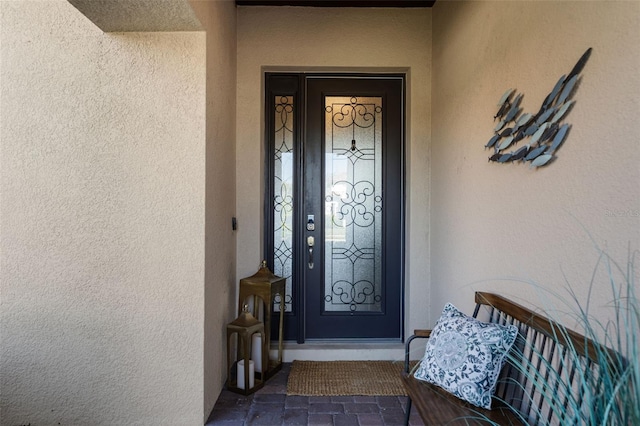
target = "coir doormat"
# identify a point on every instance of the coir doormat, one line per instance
(339, 378)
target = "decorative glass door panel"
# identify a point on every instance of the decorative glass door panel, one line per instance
(283, 195)
(353, 204)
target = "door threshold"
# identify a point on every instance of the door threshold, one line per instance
(323, 350)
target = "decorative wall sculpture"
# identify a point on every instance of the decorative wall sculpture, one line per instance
(542, 131)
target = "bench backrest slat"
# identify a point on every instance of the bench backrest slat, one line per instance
(555, 363)
(585, 347)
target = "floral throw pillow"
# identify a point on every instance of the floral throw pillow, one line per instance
(464, 356)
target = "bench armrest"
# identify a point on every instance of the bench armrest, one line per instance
(417, 334)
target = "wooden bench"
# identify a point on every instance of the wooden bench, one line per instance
(520, 398)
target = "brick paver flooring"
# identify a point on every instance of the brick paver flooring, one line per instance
(270, 406)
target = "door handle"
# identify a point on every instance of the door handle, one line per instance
(310, 243)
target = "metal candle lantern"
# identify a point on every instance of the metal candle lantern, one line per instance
(244, 381)
(264, 286)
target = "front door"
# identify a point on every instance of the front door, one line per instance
(335, 204)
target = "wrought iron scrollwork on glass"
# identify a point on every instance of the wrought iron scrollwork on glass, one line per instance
(283, 196)
(353, 204)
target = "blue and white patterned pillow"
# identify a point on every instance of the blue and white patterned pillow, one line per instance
(464, 356)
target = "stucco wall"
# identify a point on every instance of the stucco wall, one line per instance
(219, 20)
(328, 39)
(492, 221)
(102, 218)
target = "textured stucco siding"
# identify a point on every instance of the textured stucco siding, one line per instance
(219, 19)
(493, 224)
(102, 221)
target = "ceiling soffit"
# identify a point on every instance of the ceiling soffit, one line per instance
(139, 15)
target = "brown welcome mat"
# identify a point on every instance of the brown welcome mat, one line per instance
(337, 378)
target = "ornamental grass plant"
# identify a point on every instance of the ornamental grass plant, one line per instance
(607, 390)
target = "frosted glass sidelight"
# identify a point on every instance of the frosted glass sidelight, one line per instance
(283, 196)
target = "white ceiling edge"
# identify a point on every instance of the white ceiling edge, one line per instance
(139, 15)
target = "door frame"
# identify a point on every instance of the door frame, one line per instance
(294, 84)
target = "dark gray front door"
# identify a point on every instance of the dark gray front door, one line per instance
(336, 164)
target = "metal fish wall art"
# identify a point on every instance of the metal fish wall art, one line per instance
(541, 133)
